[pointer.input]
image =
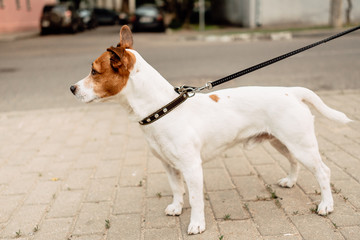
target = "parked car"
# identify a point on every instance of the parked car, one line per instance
(148, 17)
(60, 17)
(88, 18)
(106, 16)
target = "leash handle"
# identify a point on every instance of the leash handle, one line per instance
(279, 58)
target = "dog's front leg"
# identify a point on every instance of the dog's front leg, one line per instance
(177, 186)
(193, 175)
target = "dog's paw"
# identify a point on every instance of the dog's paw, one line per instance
(325, 208)
(196, 227)
(173, 209)
(286, 182)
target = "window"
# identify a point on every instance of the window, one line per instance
(17, 4)
(28, 5)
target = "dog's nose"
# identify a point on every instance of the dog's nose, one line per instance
(73, 89)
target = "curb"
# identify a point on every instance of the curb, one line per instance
(240, 37)
(254, 36)
(9, 37)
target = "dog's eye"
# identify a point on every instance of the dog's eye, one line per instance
(93, 72)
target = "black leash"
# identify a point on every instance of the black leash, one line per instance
(188, 91)
(279, 58)
(209, 85)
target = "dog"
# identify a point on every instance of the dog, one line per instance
(206, 125)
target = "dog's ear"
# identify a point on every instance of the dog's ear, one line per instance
(126, 38)
(116, 54)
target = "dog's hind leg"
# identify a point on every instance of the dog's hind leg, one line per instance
(291, 179)
(309, 156)
(177, 186)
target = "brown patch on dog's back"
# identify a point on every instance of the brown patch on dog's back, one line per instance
(108, 82)
(214, 97)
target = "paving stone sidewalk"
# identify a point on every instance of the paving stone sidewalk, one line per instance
(87, 174)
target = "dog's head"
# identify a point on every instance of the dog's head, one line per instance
(109, 73)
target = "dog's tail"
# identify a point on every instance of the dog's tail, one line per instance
(309, 96)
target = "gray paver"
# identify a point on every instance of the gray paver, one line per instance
(92, 218)
(55, 229)
(11, 203)
(315, 227)
(127, 227)
(43, 193)
(270, 219)
(227, 202)
(128, 200)
(162, 233)
(158, 183)
(351, 233)
(155, 217)
(217, 179)
(239, 230)
(131, 176)
(101, 190)
(250, 187)
(66, 204)
(25, 219)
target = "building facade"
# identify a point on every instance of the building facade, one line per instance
(252, 13)
(21, 15)
(24, 15)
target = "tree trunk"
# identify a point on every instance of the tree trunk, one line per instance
(125, 6)
(348, 12)
(335, 13)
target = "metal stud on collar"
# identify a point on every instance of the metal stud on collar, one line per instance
(165, 109)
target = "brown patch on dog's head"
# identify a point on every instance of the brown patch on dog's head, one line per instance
(110, 72)
(214, 97)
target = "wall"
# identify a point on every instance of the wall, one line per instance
(22, 17)
(251, 13)
(301, 12)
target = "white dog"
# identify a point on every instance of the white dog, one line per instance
(206, 125)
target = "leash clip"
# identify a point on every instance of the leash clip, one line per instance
(191, 91)
(186, 89)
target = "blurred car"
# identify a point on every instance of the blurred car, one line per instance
(106, 16)
(148, 17)
(60, 17)
(88, 18)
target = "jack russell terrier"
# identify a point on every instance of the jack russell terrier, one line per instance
(206, 125)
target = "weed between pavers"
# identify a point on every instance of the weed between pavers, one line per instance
(107, 224)
(246, 206)
(159, 195)
(18, 233)
(334, 189)
(272, 192)
(221, 237)
(314, 209)
(227, 217)
(259, 198)
(278, 203)
(206, 196)
(36, 228)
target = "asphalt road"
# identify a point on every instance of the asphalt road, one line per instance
(37, 72)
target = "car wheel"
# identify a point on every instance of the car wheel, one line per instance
(44, 31)
(74, 28)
